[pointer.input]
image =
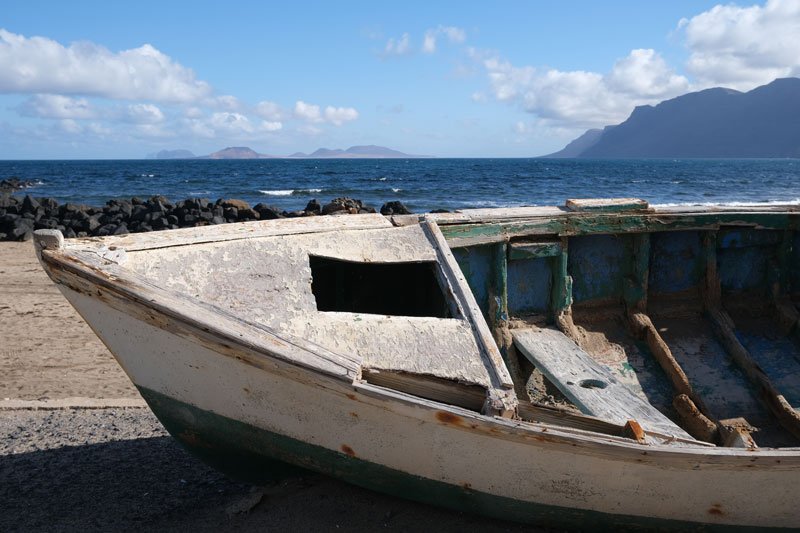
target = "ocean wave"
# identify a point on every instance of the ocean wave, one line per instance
(289, 192)
(396, 189)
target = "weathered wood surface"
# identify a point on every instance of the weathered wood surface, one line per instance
(487, 230)
(591, 387)
(607, 205)
(564, 418)
(204, 324)
(241, 230)
(502, 399)
(498, 215)
(268, 281)
(767, 393)
(534, 249)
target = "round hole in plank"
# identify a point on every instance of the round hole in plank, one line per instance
(592, 384)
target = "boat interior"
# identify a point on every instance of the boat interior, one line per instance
(607, 316)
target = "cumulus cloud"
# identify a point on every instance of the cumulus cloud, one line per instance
(225, 102)
(42, 65)
(742, 47)
(268, 111)
(313, 114)
(233, 123)
(267, 125)
(398, 47)
(339, 115)
(144, 114)
(307, 112)
(451, 33)
(56, 106)
(581, 98)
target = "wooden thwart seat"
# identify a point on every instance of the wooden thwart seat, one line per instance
(591, 387)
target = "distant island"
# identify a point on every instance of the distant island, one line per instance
(714, 123)
(172, 154)
(242, 152)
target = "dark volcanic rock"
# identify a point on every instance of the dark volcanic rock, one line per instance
(394, 208)
(19, 217)
(14, 184)
(268, 212)
(313, 207)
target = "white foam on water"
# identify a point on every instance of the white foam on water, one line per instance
(278, 192)
(396, 189)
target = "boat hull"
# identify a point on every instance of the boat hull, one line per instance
(223, 407)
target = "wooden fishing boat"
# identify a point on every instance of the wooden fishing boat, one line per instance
(605, 363)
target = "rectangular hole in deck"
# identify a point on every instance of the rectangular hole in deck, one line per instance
(400, 289)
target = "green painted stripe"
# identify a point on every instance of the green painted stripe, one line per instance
(587, 224)
(533, 250)
(250, 453)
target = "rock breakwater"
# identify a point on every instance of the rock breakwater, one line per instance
(19, 217)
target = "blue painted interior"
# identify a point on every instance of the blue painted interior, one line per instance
(745, 258)
(778, 356)
(529, 285)
(477, 264)
(676, 261)
(597, 264)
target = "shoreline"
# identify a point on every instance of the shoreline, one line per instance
(20, 217)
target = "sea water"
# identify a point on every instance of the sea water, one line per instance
(421, 184)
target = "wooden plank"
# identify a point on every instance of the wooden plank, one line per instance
(635, 288)
(534, 250)
(429, 387)
(592, 388)
(488, 231)
(561, 294)
(502, 400)
(235, 231)
(607, 205)
(724, 329)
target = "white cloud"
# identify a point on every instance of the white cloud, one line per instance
(56, 106)
(398, 47)
(42, 65)
(268, 110)
(580, 99)
(70, 126)
(429, 42)
(644, 73)
(339, 115)
(226, 102)
(144, 114)
(231, 123)
(267, 125)
(742, 47)
(312, 114)
(307, 112)
(193, 112)
(451, 33)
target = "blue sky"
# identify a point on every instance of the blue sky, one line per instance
(454, 79)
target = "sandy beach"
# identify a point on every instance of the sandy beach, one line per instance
(78, 452)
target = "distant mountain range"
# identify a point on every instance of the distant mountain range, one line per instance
(714, 123)
(243, 152)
